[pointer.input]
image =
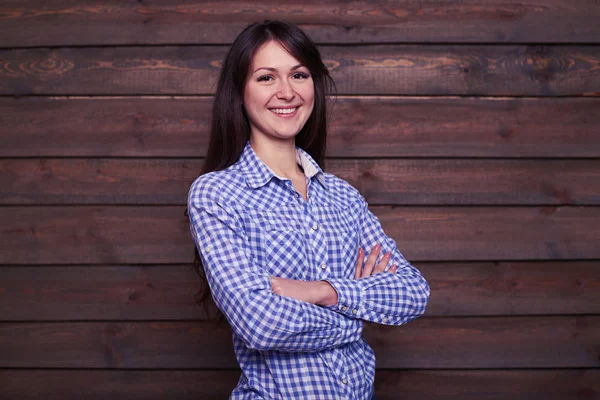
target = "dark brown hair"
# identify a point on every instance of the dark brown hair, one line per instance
(230, 128)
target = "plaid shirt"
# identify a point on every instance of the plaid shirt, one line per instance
(248, 225)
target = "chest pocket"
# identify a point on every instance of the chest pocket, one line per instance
(277, 240)
(341, 232)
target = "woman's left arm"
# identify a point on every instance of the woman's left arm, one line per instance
(384, 298)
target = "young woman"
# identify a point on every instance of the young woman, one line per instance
(280, 241)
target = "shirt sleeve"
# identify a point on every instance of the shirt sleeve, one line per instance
(242, 290)
(384, 298)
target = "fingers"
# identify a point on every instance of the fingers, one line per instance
(359, 263)
(370, 264)
(383, 263)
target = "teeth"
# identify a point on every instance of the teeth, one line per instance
(283, 110)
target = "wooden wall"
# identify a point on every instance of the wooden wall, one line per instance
(472, 127)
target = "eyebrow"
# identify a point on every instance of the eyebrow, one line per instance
(295, 67)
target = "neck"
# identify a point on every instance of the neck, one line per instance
(278, 155)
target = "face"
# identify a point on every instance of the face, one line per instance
(279, 94)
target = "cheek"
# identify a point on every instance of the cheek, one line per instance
(255, 97)
(308, 95)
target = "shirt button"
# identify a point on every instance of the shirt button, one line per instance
(344, 381)
(208, 249)
(323, 265)
(315, 227)
(384, 319)
(354, 311)
(344, 308)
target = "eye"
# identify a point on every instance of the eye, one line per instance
(265, 78)
(300, 75)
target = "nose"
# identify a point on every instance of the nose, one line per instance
(285, 90)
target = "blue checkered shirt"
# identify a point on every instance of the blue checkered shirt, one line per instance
(248, 225)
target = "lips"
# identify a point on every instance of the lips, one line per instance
(284, 111)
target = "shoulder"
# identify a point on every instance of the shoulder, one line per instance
(216, 187)
(343, 192)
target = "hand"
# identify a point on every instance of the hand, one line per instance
(315, 292)
(369, 267)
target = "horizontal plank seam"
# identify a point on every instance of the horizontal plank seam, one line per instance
(236, 369)
(418, 262)
(215, 322)
(379, 205)
(341, 97)
(399, 95)
(319, 44)
(330, 158)
(190, 264)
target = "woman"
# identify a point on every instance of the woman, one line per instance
(281, 242)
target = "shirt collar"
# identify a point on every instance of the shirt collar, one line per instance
(258, 174)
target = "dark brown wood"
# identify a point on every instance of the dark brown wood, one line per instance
(489, 233)
(118, 384)
(496, 342)
(538, 70)
(488, 385)
(493, 342)
(437, 182)
(118, 344)
(58, 293)
(136, 234)
(360, 127)
(403, 182)
(512, 288)
(557, 384)
(36, 23)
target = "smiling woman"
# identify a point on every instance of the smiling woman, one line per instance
(279, 95)
(280, 242)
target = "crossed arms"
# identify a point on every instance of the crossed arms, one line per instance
(271, 313)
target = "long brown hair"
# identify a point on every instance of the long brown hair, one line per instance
(230, 128)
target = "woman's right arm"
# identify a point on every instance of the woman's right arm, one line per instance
(242, 289)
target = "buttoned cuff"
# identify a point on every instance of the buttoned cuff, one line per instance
(350, 297)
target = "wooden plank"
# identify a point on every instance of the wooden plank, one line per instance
(117, 384)
(381, 181)
(557, 384)
(36, 23)
(59, 293)
(513, 288)
(488, 385)
(360, 127)
(493, 233)
(148, 235)
(117, 345)
(433, 343)
(386, 70)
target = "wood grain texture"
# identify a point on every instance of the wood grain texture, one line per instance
(359, 127)
(59, 293)
(380, 181)
(148, 235)
(105, 22)
(432, 343)
(538, 70)
(488, 385)
(557, 384)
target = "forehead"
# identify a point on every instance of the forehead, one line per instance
(273, 55)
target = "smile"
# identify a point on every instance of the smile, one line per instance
(284, 111)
